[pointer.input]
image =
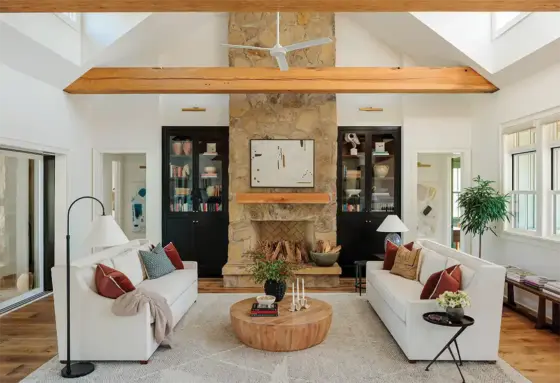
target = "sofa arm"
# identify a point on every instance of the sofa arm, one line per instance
(191, 265)
(374, 265)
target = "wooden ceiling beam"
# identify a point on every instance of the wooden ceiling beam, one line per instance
(276, 5)
(228, 80)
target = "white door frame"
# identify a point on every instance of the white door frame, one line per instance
(38, 250)
(97, 174)
(466, 180)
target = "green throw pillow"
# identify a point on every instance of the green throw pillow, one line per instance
(156, 263)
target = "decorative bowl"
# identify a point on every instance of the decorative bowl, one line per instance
(351, 192)
(324, 259)
(210, 169)
(266, 300)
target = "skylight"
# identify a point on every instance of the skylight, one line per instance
(503, 21)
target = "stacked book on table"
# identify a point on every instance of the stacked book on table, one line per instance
(516, 274)
(264, 311)
(535, 281)
(552, 289)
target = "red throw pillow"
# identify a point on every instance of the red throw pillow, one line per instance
(444, 280)
(173, 256)
(111, 283)
(391, 253)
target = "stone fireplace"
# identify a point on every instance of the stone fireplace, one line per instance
(292, 116)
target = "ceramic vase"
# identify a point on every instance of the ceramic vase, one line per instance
(455, 314)
(177, 147)
(276, 289)
(187, 147)
(380, 171)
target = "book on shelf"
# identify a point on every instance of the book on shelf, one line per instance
(380, 153)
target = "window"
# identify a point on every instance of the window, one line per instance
(503, 21)
(531, 171)
(71, 18)
(523, 191)
(521, 147)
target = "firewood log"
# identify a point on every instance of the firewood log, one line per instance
(304, 252)
(276, 253)
(336, 249)
(298, 254)
(320, 246)
(290, 257)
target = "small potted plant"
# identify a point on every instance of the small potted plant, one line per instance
(454, 304)
(274, 273)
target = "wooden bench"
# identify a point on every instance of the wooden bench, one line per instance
(541, 311)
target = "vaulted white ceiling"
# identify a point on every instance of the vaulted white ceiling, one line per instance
(43, 47)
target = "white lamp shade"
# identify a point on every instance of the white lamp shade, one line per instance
(105, 232)
(392, 224)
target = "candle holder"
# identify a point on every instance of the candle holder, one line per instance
(299, 302)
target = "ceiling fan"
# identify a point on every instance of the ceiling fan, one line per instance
(278, 51)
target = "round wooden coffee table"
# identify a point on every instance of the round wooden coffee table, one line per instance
(289, 331)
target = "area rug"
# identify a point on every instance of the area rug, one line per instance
(358, 349)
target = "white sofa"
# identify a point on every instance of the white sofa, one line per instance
(396, 301)
(96, 333)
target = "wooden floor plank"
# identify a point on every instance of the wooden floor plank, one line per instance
(28, 338)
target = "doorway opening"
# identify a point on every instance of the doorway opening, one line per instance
(124, 191)
(21, 227)
(439, 186)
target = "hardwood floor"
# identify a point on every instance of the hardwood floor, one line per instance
(28, 338)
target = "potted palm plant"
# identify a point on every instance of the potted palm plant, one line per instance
(273, 273)
(482, 205)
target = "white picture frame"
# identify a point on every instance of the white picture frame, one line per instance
(282, 163)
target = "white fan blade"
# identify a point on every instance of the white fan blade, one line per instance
(308, 44)
(246, 47)
(282, 62)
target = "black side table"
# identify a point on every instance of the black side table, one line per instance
(359, 266)
(443, 320)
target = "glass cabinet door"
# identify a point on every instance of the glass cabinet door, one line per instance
(180, 173)
(353, 172)
(210, 152)
(383, 173)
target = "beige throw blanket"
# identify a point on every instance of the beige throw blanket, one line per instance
(132, 303)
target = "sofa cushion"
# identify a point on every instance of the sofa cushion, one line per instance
(111, 283)
(395, 291)
(156, 263)
(173, 256)
(444, 280)
(431, 262)
(406, 263)
(172, 285)
(129, 264)
(391, 253)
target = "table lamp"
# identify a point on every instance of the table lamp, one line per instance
(104, 232)
(392, 225)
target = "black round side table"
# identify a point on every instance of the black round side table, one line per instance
(442, 319)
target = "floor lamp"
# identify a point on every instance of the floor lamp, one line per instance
(104, 232)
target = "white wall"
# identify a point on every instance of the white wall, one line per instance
(529, 96)
(37, 116)
(430, 123)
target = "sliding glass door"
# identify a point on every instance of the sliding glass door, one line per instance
(21, 226)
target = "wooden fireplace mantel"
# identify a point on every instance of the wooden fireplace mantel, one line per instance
(302, 198)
